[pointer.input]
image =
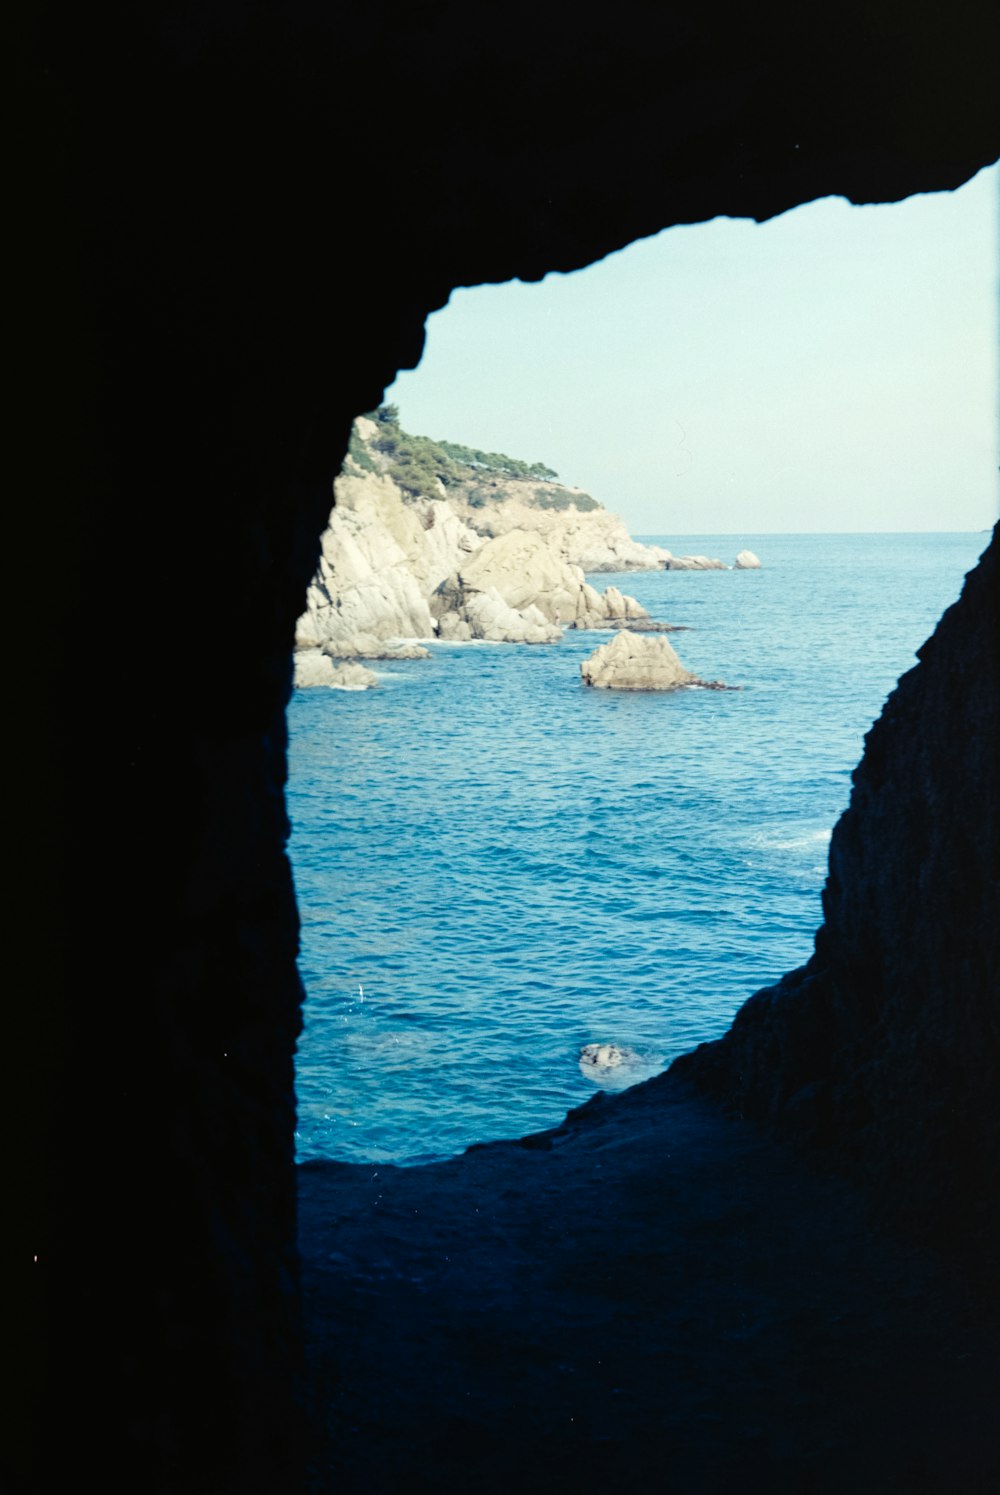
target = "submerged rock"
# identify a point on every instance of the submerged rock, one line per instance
(366, 646)
(648, 625)
(746, 561)
(615, 1067)
(631, 662)
(600, 1056)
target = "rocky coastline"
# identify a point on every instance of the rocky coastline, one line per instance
(474, 552)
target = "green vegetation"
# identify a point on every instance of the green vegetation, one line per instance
(422, 467)
(416, 463)
(480, 498)
(507, 467)
(564, 500)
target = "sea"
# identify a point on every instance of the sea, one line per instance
(496, 866)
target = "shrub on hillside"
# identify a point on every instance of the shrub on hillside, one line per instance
(546, 499)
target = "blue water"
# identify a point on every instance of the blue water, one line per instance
(496, 866)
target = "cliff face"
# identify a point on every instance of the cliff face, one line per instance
(499, 558)
(886, 1046)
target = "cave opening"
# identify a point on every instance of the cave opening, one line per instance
(522, 869)
(236, 224)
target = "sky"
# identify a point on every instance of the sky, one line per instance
(835, 369)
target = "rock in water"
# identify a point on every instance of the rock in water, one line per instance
(694, 563)
(636, 662)
(352, 677)
(746, 561)
(313, 667)
(367, 646)
(614, 1067)
(601, 1056)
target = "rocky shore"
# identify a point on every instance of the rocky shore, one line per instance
(488, 554)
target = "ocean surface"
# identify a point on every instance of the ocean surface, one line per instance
(496, 866)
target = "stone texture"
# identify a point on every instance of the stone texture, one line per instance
(594, 540)
(490, 617)
(376, 567)
(746, 561)
(522, 570)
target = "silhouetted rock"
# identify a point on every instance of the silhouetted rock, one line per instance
(880, 1048)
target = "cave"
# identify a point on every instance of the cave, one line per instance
(235, 223)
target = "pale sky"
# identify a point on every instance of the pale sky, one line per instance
(834, 369)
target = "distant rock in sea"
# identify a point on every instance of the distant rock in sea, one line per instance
(746, 561)
(639, 662)
(693, 563)
(649, 625)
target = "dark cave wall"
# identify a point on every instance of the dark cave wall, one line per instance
(885, 1048)
(238, 218)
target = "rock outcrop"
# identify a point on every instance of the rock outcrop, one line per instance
(521, 570)
(376, 568)
(594, 539)
(313, 667)
(367, 646)
(397, 566)
(693, 563)
(486, 615)
(746, 561)
(634, 662)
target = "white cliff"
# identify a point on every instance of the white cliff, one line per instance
(593, 539)
(398, 566)
(378, 565)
